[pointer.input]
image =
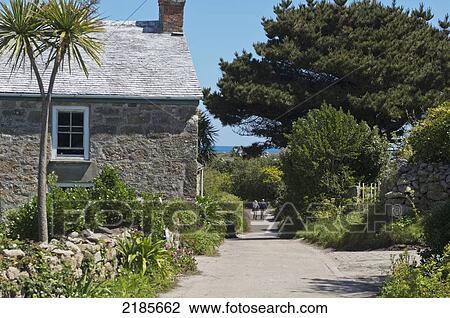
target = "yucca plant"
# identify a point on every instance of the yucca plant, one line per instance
(139, 253)
(58, 31)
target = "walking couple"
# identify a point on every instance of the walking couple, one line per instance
(259, 208)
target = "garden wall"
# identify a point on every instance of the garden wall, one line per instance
(71, 252)
(427, 184)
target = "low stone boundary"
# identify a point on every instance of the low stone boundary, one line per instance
(427, 185)
(70, 250)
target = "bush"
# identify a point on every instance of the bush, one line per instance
(134, 285)
(111, 194)
(216, 183)
(153, 216)
(203, 241)
(78, 208)
(140, 254)
(22, 223)
(328, 152)
(430, 139)
(429, 280)
(437, 228)
(408, 230)
(346, 229)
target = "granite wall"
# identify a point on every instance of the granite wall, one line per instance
(154, 146)
(427, 184)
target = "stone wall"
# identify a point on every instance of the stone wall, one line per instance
(154, 146)
(71, 251)
(427, 184)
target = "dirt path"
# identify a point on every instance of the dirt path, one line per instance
(256, 267)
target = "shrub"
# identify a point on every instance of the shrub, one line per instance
(347, 228)
(216, 183)
(133, 285)
(202, 242)
(328, 152)
(180, 215)
(437, 228)
(140, 254)
(257, 178)
(407, 230)
(430, 139)
(114, 202)
(109, 202)
(68, 207)
(429, 280)
(22, 223)
(153, 216)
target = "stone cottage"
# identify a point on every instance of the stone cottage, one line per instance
(136, 112)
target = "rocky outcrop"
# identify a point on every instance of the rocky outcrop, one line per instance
(423, 185)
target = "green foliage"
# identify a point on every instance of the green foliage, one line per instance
(203, 241)
(153, 216)
(258, 178)
(140, 254)
(66, 208)
(347, 228)
(382, 63)
(43, 281)
(183, 260)
(110, 194)
(329, 151)
(430, 138)
(22, 223)
(429, 280)
(133, 285)
(407, 230)
(110, 201)
(207, 135)
(437, 228)
(217, 183)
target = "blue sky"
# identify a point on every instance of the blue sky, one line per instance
(218, 28)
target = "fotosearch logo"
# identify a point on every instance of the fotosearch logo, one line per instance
(178, 215)
(354, 217)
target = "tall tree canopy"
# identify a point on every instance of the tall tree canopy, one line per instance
(384, 64)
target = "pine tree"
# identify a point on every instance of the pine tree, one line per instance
(382, 63)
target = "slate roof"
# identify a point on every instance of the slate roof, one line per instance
(134, 65)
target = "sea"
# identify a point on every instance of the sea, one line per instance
(228, 149)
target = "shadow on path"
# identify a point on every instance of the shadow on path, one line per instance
(344, 286)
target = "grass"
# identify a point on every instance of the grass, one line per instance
(345, 235)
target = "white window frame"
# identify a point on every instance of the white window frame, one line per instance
(85, 111)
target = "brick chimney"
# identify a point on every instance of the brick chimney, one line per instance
(171, 15)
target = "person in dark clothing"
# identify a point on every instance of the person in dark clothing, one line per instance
(263, 207)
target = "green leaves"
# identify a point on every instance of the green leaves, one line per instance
(328, 152)
(207, 135)
(430, 138)
(141, 254)
(63, 28)
(71, 26)
(20, 31)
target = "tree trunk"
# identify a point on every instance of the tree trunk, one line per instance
(42, 169)
(43, 158)
(42, 174)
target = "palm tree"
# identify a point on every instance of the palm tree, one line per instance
(207, 135)
(59, 31)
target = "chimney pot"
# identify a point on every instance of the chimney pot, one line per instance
(171, 15)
